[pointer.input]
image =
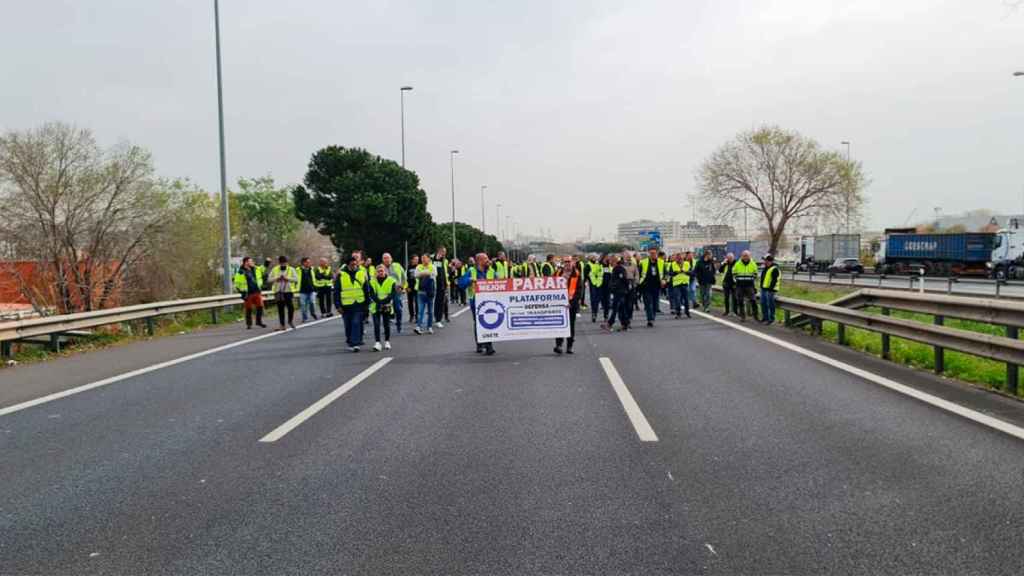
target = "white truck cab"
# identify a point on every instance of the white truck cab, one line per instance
(1007, 261)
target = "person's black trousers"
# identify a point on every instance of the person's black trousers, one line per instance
(729, 298)
(323, 300)
(285, 301)
(574, 309)
(441, 306)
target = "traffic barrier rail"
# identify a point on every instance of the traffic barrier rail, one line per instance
(58, 325)
(914, 282)
(1008, 314)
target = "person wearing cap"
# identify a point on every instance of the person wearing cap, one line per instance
(771, 281)
(744, 274)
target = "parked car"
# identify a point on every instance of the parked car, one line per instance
(846, 266)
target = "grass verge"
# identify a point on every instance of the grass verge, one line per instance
(172, 324)
(975, 370)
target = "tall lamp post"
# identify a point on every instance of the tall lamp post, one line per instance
(847, 144)
(403, 90)
(225, 211)
(483, 215)
(451, 159)
(497, 221)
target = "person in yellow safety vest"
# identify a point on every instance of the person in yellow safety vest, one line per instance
(744, 274)
(500, 265)
(383, 289)
(284, 281)
(481, 270)
(549, 267)
(249, 283)
(652, 280)
(598, 291)
(426, 285)
(351, 286)
(266, 267)
(396, 271)
(679, 279)
(771, 282)
(323, 279)
(463, 270)
(530, 268)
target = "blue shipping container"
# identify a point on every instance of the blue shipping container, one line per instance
(968, 247)
(737, 246)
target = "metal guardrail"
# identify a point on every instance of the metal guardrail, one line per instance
(1009, 314)
(913, 281)
(55, 326)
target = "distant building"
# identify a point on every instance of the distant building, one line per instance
(675, 236)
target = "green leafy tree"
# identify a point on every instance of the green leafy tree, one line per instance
(469, 240)
(363, 201)
(268, 222)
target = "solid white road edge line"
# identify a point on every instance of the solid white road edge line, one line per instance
(85, 387)
(464, 310)
(294, 422)
(636, 416)
(963, 411)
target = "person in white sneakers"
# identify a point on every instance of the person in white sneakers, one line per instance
(382, 294)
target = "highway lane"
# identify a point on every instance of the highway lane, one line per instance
(964, 287)
(443, 461)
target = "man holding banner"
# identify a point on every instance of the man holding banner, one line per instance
(481, 270)
(516, 308)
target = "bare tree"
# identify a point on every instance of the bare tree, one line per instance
(779, 176)
(85, 214)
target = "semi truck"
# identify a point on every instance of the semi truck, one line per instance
(903, 251)
(819, 252)
(1007, 260)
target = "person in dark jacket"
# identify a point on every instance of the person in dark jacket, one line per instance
(771, 279)
(728, 284)
(307, 290)
(705, 274)
(619, 285)
(410, 274)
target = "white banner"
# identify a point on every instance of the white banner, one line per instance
(522, 309)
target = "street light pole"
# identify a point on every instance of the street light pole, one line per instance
(451, 158)
(847, 144)
(403, 90)
(483, 215)
(225, 210)
(497, 221)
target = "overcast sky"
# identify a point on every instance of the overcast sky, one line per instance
(574, 114)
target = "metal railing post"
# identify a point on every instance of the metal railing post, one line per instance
(885, 339)
(5, 350)
(213, 315)
(841, 334)
(55, 342)
(940, 352)
(786, 318)
(1012, 370)
(149, 326)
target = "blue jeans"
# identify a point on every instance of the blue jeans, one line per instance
(692, 288)
(425, 303)
(307, 303)
(768, 306)
(353, 317)
(679, 297)
(397, 305)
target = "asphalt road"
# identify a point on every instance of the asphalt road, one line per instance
(963, 287)
(441, 461)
